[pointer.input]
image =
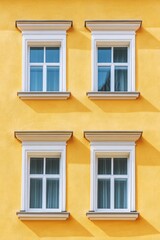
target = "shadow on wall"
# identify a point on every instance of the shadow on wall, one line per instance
(140, 227)
(74, 105)
(72, 228)
(56, 106)
(146, 154)
(126, 106)
(67, 228)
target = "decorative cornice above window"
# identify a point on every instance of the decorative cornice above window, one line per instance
(113, 25)
(112, 136)
(51, 136)
(112, 216)
(47, 25)
(44, 95)
(113, 95)
(42, 216)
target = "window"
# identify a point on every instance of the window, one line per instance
(112, 184)
(112, 175)
(112, 68)
(44, 68)
(44, 59)
(113, 59)
(43, 175)
(44, 180)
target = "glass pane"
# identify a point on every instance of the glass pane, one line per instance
(104, 55)
(36, 193)
(120, 166)
(120, 54)
(104, 78)
(103, 193)
(36, 79)
(52, 78)
(104, 165)
(36, 54)
(120, 193)
(36, 165)
(52, 194)
(121, 78)
(52, 54)
(52, 165)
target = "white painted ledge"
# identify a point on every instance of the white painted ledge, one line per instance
(53, 136)
(112, 216)
(47, 25)
(44, 95)
(113, 95)
(113, 25)
(43, 216)
(112, 136)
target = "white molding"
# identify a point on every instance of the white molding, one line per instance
(113, 95)
(53, 136)
(44, 95)
(113, 25)
(113, 33)
(43, 216)
(44, 149)
(29, 25)
(43, 33)
(112, 149)
(112, 136)
(112, 216)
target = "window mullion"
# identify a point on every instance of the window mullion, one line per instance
(44, 72)
(112, 187)
(44, 186)
(112, 71)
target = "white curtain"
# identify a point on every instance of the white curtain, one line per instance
(37, 183)
(120, 183)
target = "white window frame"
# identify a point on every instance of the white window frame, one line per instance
(53, 39)
(43, 143)
(112, 144)
(112, 39)
(125, 149)
(44, 66)
(43, 149)
(43, 33)
(113, 34)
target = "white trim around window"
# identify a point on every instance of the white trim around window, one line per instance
(112, 191)
(43, 150)
(113, 151)
(43, 172)
(113, 34)
(44, 34)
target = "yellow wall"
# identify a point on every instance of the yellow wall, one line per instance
(78, 114)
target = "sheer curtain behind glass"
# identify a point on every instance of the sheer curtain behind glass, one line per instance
(44, 181)
(52, 188)
(120, 184)
(104, 169)
(112, 177)
(44, 68)
(120, 71)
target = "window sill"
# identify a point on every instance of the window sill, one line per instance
(113, 95)
(43, 215)
(44, 95)
(112, 216)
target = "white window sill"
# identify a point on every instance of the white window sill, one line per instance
(44, 95)
(112, 216)
(43, 215)
(113, 95)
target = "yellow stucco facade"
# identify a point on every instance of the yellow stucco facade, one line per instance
(79, 114)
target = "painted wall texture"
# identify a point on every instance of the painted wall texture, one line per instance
(77, 114)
